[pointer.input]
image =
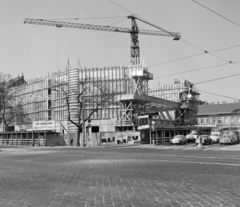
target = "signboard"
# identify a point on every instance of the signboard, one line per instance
(143, 127)
(44, 125)
(114, 138)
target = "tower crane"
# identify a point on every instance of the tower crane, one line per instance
(129, 107)
(134, 31)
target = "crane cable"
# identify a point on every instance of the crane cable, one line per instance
(58, 48)
(77, 18)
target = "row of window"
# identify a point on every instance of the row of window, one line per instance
(219, 120)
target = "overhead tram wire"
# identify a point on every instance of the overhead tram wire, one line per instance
(122, 7)
(220, 95)
(180, 39)
(229, 62)
(229, 76)
(207, 52)
(217, 13)
(226, 48)
(190, 71)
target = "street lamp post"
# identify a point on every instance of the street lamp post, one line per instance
(152, 129)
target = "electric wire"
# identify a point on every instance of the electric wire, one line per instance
(122, 7)
(207, 52)
(228, 62)
(175, 60)
(180, 39)
(219, 95)
(190, 71)
(230, 76)
(216, 13)
(226, 48)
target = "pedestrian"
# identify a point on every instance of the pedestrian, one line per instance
(200, 142)
(71, 142)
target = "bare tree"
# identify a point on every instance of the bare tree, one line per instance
(9, 107)
(90, 99)
(20, 116)
(6, 100)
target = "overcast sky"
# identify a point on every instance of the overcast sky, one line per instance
(37, 50)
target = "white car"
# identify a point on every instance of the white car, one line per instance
(215, 136)
(178, 139)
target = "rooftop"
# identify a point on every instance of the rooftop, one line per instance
(224, 108)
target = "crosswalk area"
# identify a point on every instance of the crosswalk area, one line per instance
(188, 147)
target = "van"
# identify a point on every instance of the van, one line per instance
(216, 135)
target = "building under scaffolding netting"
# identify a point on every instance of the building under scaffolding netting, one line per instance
(171, 91)
(183, 92)
(42, 99)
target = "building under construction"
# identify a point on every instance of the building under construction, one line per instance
(183, 92)
(45, 98)
(171, 91)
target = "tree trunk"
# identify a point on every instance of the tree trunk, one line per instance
(78, 137)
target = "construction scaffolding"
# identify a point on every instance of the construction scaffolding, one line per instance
(183, 92)
(45, 98)
(169, 91)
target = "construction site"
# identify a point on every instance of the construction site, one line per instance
(67, 97)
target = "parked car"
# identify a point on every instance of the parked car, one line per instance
(205, 139)
(178, 139)
(192, 136)
(228, 139)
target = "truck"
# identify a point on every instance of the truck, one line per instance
(216, 135)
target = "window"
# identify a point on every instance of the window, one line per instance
(202, 121)
(213, 120)
(207, 120)
(225, 120)
(95, 129)
(238, 119)
(232, 119)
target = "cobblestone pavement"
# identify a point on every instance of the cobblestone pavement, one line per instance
(118, 176)
(190, 146)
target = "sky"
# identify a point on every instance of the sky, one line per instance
(36, 51)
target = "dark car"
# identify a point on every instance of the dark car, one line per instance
(192, 136)
(205, 139)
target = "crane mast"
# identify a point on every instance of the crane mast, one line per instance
(134, 31)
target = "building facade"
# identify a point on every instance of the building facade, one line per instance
(219, 115)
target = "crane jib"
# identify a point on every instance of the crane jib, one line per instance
(99, 28)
